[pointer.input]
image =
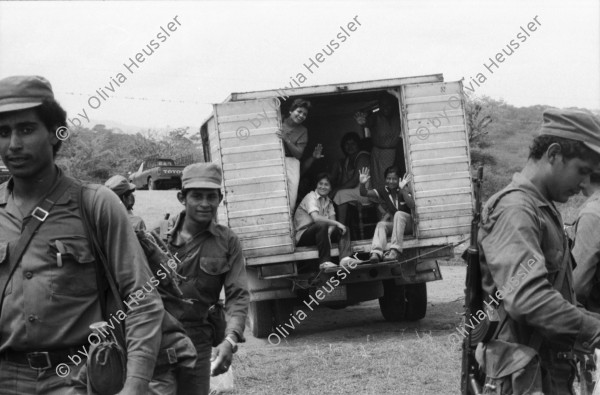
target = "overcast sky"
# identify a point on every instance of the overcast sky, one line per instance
(227, 46)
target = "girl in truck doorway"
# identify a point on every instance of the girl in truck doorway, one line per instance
(295, 137)
(315, 224)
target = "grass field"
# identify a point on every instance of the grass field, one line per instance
(414, 363)
(355, 351)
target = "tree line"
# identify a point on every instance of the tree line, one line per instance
(98, 153)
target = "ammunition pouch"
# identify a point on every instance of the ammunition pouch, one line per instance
(510, 368)
(486, 329)
(216, 319)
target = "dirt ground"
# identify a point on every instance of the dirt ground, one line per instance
(348, 351)
(355, 351)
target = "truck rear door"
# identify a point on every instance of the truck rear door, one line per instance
(252, 157)
(437, 148)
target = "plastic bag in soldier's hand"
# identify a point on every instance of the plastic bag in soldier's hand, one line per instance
(223, 383)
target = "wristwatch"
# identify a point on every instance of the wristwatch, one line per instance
(234, 346)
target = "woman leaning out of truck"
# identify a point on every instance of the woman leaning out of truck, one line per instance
(315, 224)
(295, 137)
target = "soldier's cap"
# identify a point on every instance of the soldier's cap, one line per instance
(202, 175)
(22, 92)
(573, 124)
(119, 185)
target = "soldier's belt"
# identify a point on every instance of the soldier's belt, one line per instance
(39, 359)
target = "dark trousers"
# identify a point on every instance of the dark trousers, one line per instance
(317, 234)
(17, 379)
(196, 381)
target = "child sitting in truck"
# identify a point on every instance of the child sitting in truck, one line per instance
(345, 174)
(315, 224)
(397, 202)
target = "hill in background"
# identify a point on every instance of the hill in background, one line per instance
(504, 149)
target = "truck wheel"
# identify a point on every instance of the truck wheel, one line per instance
(393, 302)
(151, 184)
(416, 301)
(282, 310)
(260, 315)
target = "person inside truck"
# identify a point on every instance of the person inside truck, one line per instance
(309, 169)
(383, 128)
(295, 137)
(397, 202)
(346, 177)
(315, 224)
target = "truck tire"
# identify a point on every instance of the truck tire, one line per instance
(393, 302)
(416, 301)
(260, 315)
(151, 184)
(283, 310)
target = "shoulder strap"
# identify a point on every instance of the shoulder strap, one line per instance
(38, 216)
(101, 262)
(191, 245)
(493, 205)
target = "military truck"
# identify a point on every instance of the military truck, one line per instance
(285, 279)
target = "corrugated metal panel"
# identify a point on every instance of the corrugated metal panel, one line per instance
(438, 157)
(254, 175)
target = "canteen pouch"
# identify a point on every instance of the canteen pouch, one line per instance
(176, 347)
(216, 319)
(106, 367)
(510, 368)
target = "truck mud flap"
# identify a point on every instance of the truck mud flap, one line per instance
(411, 273)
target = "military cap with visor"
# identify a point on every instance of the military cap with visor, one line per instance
(119, 185)
(23, 92)
(202, 175)
(575, 125)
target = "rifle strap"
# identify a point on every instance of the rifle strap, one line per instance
(100, 260)
(38, 216)
(191, 244)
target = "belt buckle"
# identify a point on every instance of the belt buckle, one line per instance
(565, 355)
(42, 217)
(39, 357)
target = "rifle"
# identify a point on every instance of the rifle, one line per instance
(470, 379)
